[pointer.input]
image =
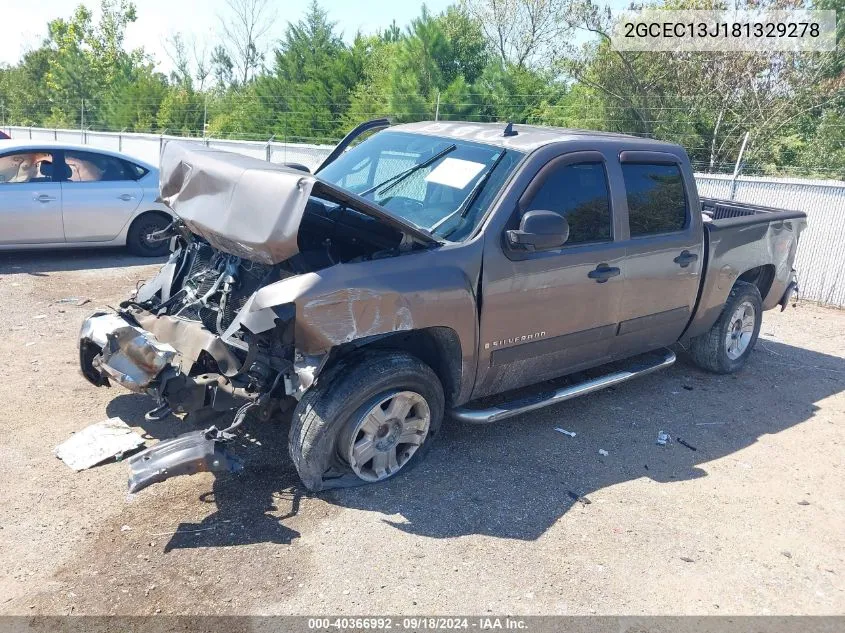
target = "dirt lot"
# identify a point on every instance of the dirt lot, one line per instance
(750, 523)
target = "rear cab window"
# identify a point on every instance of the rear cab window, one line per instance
(656, 197)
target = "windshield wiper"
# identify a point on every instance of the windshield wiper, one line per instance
(395, 180)
(464, 207)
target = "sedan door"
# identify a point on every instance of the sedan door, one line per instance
(30, 200)
(99, 196)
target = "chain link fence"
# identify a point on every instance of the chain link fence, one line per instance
(821, 256)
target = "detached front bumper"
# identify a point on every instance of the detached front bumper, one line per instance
(112, 348)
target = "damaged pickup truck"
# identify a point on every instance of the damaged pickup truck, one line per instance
(471, 271)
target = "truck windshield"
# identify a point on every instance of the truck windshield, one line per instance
(441, 184)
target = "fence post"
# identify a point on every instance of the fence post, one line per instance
(738, 166)
(268, 149)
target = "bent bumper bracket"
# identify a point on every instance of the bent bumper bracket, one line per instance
(195, 452)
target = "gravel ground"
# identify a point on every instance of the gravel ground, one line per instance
(752, 522)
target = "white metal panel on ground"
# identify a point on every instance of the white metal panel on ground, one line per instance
(820, 260)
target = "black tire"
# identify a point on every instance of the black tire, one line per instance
(710, 351)
(142, 226)
(344, 393)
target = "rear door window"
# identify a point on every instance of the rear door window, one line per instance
(656, 199)
(579, 192)
(93, 167)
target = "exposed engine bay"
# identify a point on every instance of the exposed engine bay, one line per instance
(179, 338)
(190, 337)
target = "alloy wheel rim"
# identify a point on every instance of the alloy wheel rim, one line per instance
(387, 435)
(740, 330)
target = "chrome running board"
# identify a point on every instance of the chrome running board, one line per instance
(640, 366)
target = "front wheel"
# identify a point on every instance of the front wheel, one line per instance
(367, 419)
(725, 347)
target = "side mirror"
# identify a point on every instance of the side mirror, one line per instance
(540, 230)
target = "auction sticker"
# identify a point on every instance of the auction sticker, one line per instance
(454, 172)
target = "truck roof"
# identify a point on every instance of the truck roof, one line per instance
(527, 137)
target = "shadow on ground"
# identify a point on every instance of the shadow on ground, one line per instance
(516, 478)
(40, 263)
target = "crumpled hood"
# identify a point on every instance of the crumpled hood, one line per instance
(249, 207)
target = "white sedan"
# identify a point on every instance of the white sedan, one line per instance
(55, 195)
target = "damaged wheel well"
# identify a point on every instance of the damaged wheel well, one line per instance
(437, 347)
(761, 276)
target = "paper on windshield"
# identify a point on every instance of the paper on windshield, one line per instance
(454, 172)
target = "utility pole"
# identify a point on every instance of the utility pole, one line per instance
(82, 121)
(204, 115)
(437, 108)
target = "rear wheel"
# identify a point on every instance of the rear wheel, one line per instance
(367, 419)
(725, 348)
(137, 238)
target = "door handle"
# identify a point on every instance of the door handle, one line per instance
(603, 272)
(126, 197)
(44, 198)
(685, 259)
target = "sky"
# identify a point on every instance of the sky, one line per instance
(24, 28)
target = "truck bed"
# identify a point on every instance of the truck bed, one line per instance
(741, 237)
(713, 210)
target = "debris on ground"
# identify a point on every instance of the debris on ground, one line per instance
(82, 302)
(565, 432)
(125, 528)
(663, 438)
(68, 300)
(803, 502)
(603, 452)
(683, 442)
(689, 387)
(97, 443)
(787, 553)
(687, 559)
(576, 497)
(39, 316)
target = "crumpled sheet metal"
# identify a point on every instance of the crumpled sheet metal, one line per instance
(242, 205)
(134, 358)
(190, 338)
(327, 315)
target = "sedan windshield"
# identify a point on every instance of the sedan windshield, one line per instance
(443, 185)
